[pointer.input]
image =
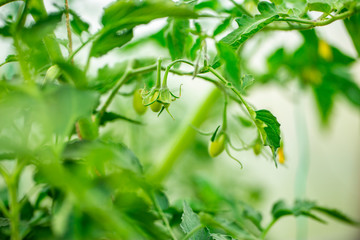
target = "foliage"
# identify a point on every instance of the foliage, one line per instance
(87, 183)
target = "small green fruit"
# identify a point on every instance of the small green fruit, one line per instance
(217, 146)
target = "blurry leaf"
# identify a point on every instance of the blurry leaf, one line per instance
(232, 63)
(110, 116)
(218, 236)
(162, 200)
(245, 121)
(110, 40)
(176, 36)
(27, 210)
(77, 24)
(246, 81)
(269, 129)
(352, 25)
(122, 16)
(319, 6)
(132, 13)
(190, 221)
(5, 31)
(103, 155)
(324, 95)
(7, 156)
(9, 58)
(335, 214)
(222, 26)
(65, 105)
(71, 73)
(4, 222)
(41, 28)
(280, 209)
(107, 77)
(195, 48)
(138, 209)
(254, 216)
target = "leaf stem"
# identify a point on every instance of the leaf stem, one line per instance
(164, 84)
(266, 230)
(158, 73)
(121, 81)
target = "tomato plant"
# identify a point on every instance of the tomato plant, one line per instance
(82, 158)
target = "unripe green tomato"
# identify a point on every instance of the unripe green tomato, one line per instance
(137, 103)
(87, 129)
(216, 147)
(257, 148)
(52, 73)
(156, 106)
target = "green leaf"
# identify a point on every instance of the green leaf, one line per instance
(110, 116)
(222, 26)
(103, 154)
(9, 58)
(77, 24)
(110, 40)
(253, 215)
(324, 95)
(335, 214)
(218, 236)
(176, 37)
(352, 25)
(72, 74)
(132, 13)
(41, 28)
(232, 63)
(269, 129)
(190, 220)
(246, 81)
(248, 26)
(319, 6)
(66, 104)
(122, 16)
(280, 209)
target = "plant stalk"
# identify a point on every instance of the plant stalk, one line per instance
(185, 137)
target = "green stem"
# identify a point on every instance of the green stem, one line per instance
(266, 230)
(316, 23)
(114, 92)
(14, 214)
(185, 137)
(165, 220)
(224, 126)
(158, 73)
(234, 90)
(164, 84)
(192, 232)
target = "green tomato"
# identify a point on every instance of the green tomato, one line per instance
(156, 106)
(137, 103)
(87, 129)
(217, 146)
(257, 148)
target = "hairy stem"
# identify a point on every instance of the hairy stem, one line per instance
(68, 27)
